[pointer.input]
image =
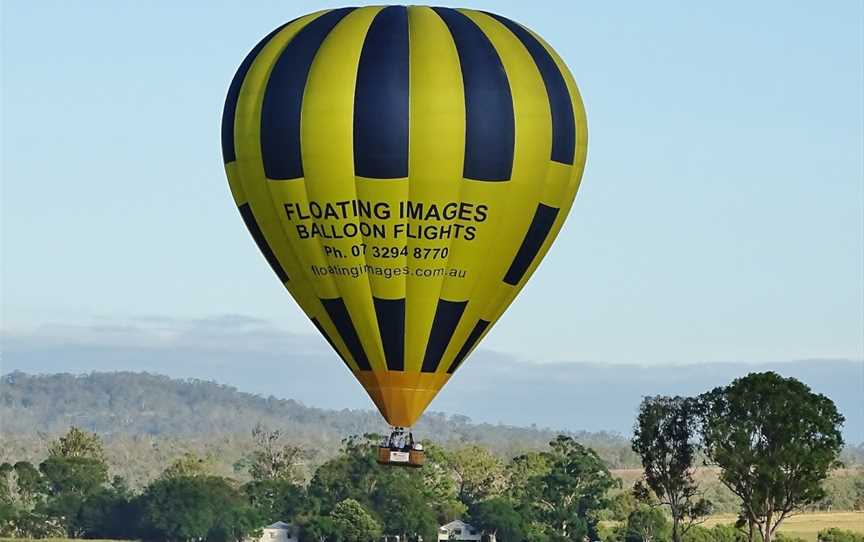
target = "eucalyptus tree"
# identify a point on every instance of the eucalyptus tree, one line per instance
(666, 437)
(775, 442)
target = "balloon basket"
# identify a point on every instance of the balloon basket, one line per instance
(400, 450)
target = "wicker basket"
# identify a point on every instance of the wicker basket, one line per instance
(416, 458)
(383, 455)
(401, 458)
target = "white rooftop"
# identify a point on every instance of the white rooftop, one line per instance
(279, 525)
(455, 524)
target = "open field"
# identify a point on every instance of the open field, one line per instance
(710, 474)
(806, 526)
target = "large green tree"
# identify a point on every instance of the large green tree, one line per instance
(275, 490)
(646, 524)
(272, 458)
(78, 443)
(196, 508)
(278, 500)
(566, 498)
(352, 523)
(665, 437)
(9, 506)
(19, 483)
(23, 490)
(108, 512)
(350, 475)
(521, 470)
(521, 474)
(479, 474)
(498, 517)
(188, 465)
(403, 502)
(775, 441)
(74, 471)
(317, 529)
(29, 483)
(439, 484)
(73, 475)
(70, 482)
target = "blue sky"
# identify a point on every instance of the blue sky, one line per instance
(721, 216)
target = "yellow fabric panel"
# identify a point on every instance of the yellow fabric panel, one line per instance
(234, 183)
(512, 203)
(402, 396)
(327, 136)
(384, 255)
(309, 252)
(436, 155)
(251, 181)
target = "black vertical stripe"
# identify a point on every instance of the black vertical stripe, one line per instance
(472, 339)
(391, 324)
(447, 317)
(258, 236)
(381, 98)
(563, 123)
(329, 340)
(230, 109)
(283, 98)
(539, 229)
(489, 120)
(338, 313)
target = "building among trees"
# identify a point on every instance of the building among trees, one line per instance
(460, 531)
(278, 532)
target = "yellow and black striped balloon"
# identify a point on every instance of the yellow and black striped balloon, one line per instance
(403, 170)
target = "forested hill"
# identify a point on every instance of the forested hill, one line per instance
(123, 404)
(147, 421)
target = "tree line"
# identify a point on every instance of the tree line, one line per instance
(773, 440)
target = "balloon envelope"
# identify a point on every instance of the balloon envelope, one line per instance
(403, 171)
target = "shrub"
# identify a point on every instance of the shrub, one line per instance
(839, 535)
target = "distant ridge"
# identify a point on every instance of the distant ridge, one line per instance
(114, 404)
(493, 387)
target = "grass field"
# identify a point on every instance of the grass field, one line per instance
(806, 526)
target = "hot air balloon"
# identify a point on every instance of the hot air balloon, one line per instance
(403, 170)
